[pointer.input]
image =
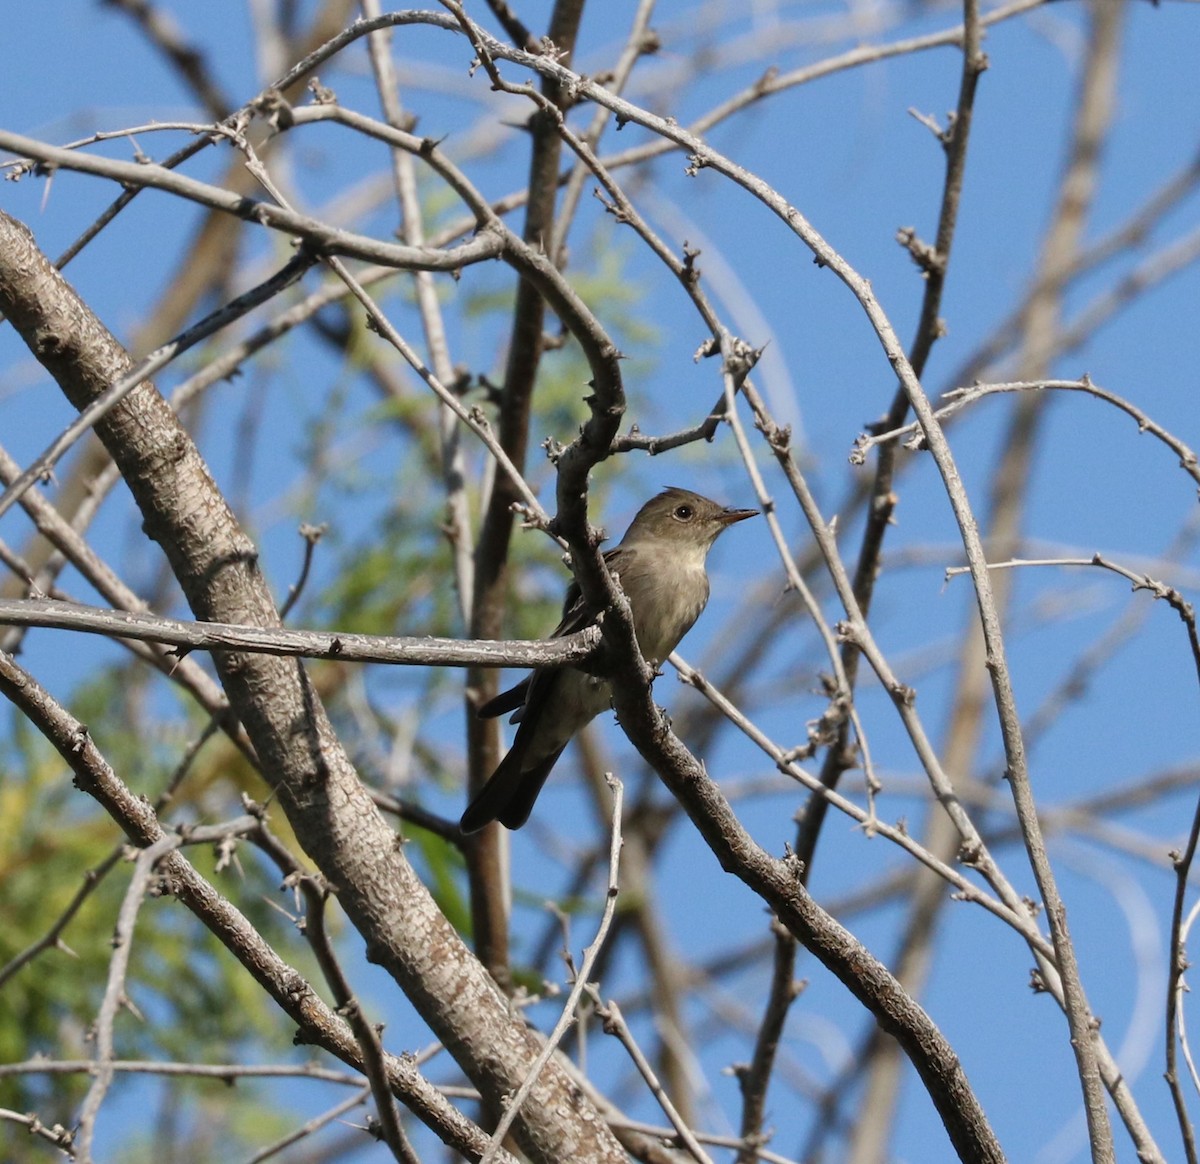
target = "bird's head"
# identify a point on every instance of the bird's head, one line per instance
(685, 518)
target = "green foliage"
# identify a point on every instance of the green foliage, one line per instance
(384, 567)
(196, 1002)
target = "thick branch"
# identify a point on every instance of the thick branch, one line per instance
(330, 811)
(779, 885)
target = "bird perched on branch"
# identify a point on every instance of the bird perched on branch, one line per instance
(660, 565)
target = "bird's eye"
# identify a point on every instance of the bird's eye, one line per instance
(684, 512)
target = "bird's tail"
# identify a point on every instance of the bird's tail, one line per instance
(509, 795)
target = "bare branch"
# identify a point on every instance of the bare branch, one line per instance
(423, 651)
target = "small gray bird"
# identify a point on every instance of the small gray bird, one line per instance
(660, 563)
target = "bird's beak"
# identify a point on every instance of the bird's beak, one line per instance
(729, 516)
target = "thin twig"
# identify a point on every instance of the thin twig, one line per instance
(154, 362)
(316, 894)
(55, 1134)
(568, 1015)
(614, 1024)
(458, 524)
(310, 1126)
(1016, 916)
(959, 398)
(223, 1072)
(114, 993)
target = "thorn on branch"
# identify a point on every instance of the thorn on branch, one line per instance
(610, 207)
(321, 94)
(741, 358)
(19, 169)
(923, 254)
(570, 95)
(547, 48)
(779, 437)
(931, 123)
(274, 107)
(969, 854)
(951, 130)
(763, 85)
(254, 808)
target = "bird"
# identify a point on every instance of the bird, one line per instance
(660, 564)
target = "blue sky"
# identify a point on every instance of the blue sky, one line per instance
(848, 153)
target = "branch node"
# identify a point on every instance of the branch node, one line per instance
(321, 94)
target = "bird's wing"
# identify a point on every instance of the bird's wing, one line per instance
(511, 700)
(576, 613)
(509, 794)
(576, 616)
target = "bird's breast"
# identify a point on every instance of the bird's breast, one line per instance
(665, 603)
